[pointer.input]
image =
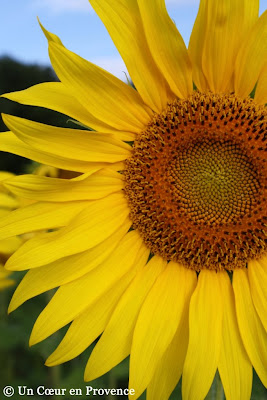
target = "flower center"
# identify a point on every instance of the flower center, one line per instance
(213, 180)
(196, 182)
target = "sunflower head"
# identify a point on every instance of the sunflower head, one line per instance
(196, 182)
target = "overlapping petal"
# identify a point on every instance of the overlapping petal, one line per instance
(219, 30)
(227, 24)
(251, 58)
(66, 269)
(102, 94)
(123, 21)
(170, 367)
(115, 343)
(8, 202)
(88, 326)
(85, 328)
(167, 47)
(74, 297)
(205, 332)
(261, 92)
(38, 216)
(196, 45)
(10, 245)
(92, 187)
(10, 143)
(234, 365)
(251, 329)
(68, 143)
(257, 275)
(162, 308)
(55, 96)
(99, 220)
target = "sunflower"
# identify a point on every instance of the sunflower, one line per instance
(160, 244)
(7, 246)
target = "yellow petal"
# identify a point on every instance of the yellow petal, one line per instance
(115, 343)
(10, 245)
(252, 332)
(156, 325)
(11, 144)
(227, 24)
(55, 96)
(196, 45)
(257, 274)
(102, 94)
(234, 365)
(167, 47)
(50, 36)
(39, 216)
(171, 365)
(5, 175)
(88, 326)
(90, 227)
(251, 58)
(65, 270)
(123, 22)
(7, 201)
(74, 297)
(68, 143)
(92, 187)
(261, 92)
(3, 213)
(205, 332)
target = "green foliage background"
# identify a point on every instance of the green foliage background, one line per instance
(19, 364)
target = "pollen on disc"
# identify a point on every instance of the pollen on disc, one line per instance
(196, 182)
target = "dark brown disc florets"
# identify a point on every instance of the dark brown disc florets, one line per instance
(196, 182)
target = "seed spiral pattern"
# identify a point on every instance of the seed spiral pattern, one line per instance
(196, 182)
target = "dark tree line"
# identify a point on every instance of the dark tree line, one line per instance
(14, 76)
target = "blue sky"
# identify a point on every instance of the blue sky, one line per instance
(78, 27)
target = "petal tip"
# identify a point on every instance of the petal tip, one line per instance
(12, 307)
(34, 338)
(50, 362)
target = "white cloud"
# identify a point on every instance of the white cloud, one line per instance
(59, 6)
